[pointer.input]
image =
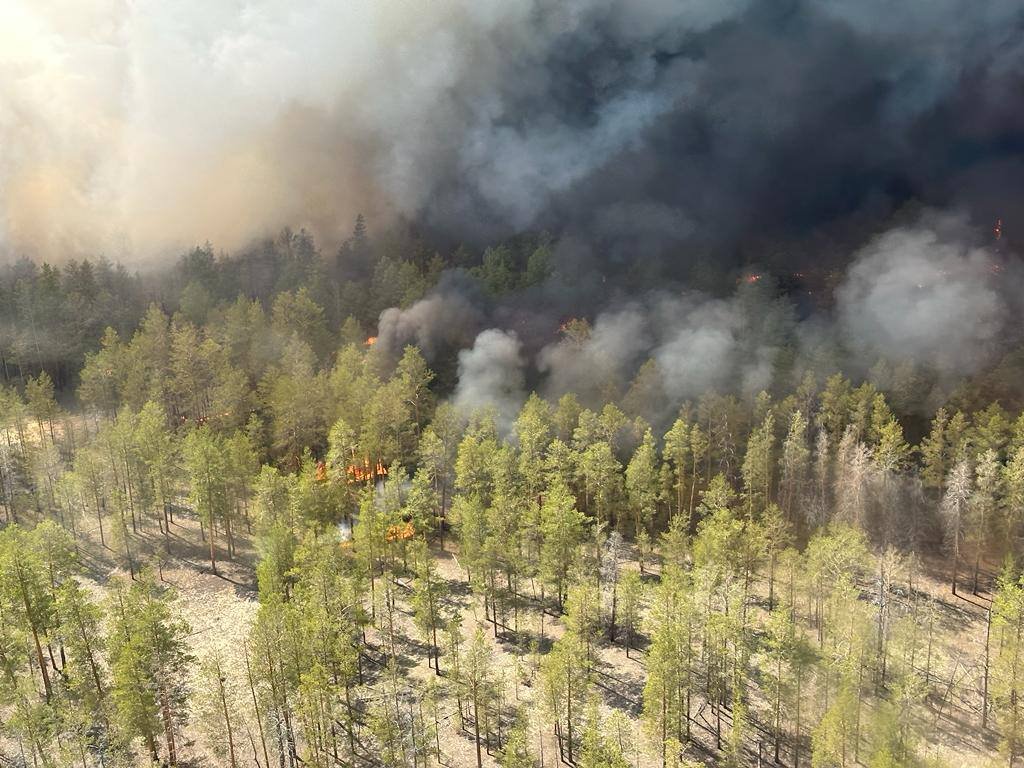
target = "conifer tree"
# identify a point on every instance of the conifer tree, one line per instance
(430, 593)
(1008, 665)
(149, 666)
(204, 459)
(642, 484)
(562, 528)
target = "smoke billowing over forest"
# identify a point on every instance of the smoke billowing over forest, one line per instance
(842, 147)
(511, 383)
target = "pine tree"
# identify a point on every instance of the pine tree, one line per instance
(565, 684)
(1008, 665)
(983, 506)
(204, 460)
(853, 474)
(954, 512)
(758, 465)
(671, 660)
(1013, 502)
(477, 683)
(159, 451)
(794, 464)
(26, 596)
(698, 453)
(786, 657)
(631, 592)
(583, 613)
(642, 484)
(42, 404)
(935, 458)
(81, 637)
(990, 430)
(516, 752)
(601, 477)
(430, 593)
(677, 451)
(217, 705)
(149, 665)
(562, 527)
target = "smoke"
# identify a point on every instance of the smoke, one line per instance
(716, 347)
(591, 367)
(919, 298)
(698, 343)
(657, 140)
(491, 376)
(911, 295)
(138, 128)
(448, 318)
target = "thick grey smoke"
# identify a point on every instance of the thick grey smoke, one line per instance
(136, 128)
(710, 350)
(491, 376)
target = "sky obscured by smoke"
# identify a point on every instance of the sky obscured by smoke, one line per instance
(139, 128)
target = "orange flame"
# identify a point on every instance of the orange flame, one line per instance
(370, 341)
(399, 532)
(365, 472)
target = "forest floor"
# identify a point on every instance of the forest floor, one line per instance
(220, 609)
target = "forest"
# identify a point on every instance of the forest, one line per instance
(242, 529)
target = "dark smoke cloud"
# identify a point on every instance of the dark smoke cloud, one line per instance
(656, 129)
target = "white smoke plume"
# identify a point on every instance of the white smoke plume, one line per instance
(698, 342)
(491, 376)
(915, 294)
(615, 348)
(146, 125)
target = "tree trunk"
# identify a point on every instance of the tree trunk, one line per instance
(476, 731)
(168, 722)
(227, 718)
(256, 706)
(35, 638)
(984, 685)
(213, 554)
